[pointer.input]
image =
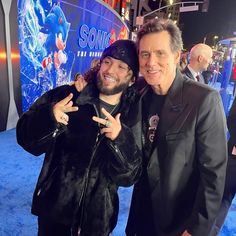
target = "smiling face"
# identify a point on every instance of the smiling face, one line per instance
(113, 77)
(157, 61)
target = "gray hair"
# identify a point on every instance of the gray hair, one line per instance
(159, 25)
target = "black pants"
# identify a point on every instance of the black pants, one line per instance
(229, 194)
(47, 227)
(140, 222)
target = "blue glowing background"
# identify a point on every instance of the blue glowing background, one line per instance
(60, 38)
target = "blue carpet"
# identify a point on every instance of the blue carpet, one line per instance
(18, 174)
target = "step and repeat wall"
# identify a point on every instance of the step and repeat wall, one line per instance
(53, 40)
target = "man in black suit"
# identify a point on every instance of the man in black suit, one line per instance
(180, 126)
(230, 181)
(200, 59)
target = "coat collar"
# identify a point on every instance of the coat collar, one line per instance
(188, 73)
(90, 95)
(174, 103)
(174, 112)
(173, 116)
(171, 111)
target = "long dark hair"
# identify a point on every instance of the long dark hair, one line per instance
(91, 74)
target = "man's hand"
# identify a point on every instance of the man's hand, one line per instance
(61, 108)
(79, 83)
(112, 125)
(185, 233)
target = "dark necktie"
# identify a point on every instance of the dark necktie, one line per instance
(198, 78)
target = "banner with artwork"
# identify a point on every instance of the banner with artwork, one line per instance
(60, 38)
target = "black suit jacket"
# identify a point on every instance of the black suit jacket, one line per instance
(186, 171)
(188, 73)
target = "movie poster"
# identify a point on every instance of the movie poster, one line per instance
(60, 38)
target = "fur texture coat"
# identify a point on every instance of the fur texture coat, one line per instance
(82, 169)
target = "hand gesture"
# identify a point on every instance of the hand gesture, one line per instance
(112, 125)
(62, 107)
(79, 83)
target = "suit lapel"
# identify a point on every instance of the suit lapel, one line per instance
(201, 79)
(174, 108)
(153, 170)
(188, 73)
(173, 115)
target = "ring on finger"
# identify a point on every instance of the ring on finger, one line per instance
(108, 123)
(63, 117)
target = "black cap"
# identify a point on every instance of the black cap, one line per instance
(124, 50)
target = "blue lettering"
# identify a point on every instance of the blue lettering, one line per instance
(99, 39)
(84, 31)
(107, 40)
(104, 39)
(93, 38)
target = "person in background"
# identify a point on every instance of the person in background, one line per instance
(90, 151)
(183, 61)
(199, 60)
(180, 126)
(230, 182)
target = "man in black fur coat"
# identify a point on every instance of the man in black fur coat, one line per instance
(90, 151)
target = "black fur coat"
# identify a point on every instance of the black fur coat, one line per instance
(82, 170)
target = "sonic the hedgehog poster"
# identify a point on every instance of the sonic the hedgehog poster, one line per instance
(60, 38)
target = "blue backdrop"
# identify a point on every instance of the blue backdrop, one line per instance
(60, 38)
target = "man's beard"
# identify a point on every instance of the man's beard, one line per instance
(106, 91)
